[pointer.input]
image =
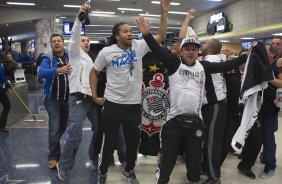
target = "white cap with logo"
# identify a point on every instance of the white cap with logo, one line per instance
(190, 40)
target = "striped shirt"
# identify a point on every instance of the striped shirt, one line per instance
(60, 87)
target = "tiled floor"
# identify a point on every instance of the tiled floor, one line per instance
(23, 159)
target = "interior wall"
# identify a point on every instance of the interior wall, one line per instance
(232, 46)
(246, 14)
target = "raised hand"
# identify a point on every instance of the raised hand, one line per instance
(143, 26)
(84, 8)
(191, 14)
(175, 48)
(165, 4)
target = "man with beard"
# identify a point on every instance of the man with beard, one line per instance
(123, 62)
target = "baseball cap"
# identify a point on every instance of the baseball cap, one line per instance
(190, 40)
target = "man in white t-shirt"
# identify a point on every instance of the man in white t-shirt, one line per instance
(123, 63)
(184, 125)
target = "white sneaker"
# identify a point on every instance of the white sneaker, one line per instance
(157, 173)
(267, 174)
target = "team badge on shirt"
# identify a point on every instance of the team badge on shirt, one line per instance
(154, 105)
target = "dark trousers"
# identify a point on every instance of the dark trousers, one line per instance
(269, 127)
(4, 99)
(129, 115)
(214, 116)
(96, 140)
(191, 140)
(252, 147)
(232, 124)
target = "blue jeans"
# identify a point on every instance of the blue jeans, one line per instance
(80, 107)
(58, 111)
(269, 127)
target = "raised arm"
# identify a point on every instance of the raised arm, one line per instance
(166, 58)
(224, 66)
(74, 44)
(183, 31)
(161, 34)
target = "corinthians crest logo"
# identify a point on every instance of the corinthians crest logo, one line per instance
(154, 105)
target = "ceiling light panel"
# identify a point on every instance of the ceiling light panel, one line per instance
(176, 12)
(20, 3)
(149, 15)
(71, 6)
(172, 3)
(130, 9)
(103, 12)
(101, 15)
(247, 38)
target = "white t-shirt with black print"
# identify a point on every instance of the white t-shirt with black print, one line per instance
(186, 87)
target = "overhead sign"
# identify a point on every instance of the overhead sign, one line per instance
(217, 23)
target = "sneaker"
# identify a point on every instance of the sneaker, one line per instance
(233, 152)
(4, 130)
(62, 174)
(157, 173)
(192, 182)
(267, 173)
(130, 177)
(123, 165)
(181, 159)
(246, 172)
(102, 178)
(212, 181)
(53, 164)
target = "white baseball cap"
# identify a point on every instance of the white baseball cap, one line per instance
(190, 40)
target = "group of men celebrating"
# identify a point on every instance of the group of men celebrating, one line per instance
(197, 98)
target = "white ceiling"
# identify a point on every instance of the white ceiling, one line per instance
(15, 20)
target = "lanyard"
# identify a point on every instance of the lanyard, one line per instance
(131, 56)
